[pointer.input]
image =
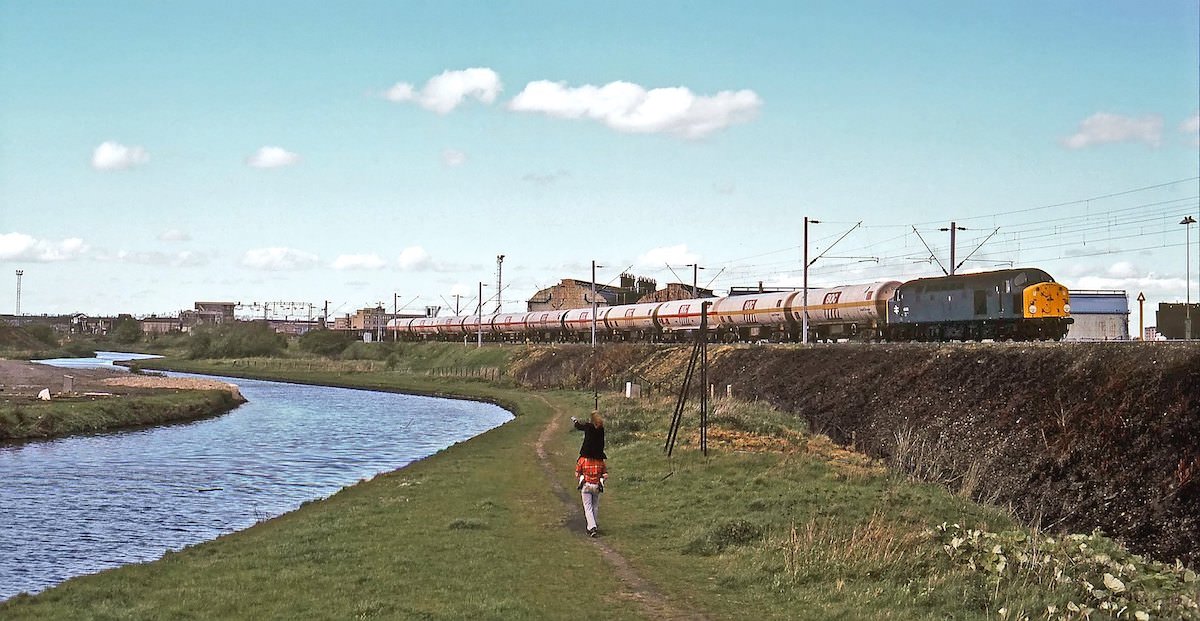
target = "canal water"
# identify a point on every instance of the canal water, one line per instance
(81, 504)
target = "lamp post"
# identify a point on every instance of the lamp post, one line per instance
(804, 320)
(954, 228)
(1187, 282)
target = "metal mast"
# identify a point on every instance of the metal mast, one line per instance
(499, 271)
(20, 273)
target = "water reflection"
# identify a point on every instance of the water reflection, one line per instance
(81, 504)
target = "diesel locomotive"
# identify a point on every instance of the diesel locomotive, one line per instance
(1014, 304)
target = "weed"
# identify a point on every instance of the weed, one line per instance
(467, 524)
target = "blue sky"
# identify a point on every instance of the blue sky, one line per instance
(155, 154)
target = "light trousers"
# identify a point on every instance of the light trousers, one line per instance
(591, 504)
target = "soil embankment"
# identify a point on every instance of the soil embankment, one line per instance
(1074, 437)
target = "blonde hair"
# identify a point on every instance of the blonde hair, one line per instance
(596, 420)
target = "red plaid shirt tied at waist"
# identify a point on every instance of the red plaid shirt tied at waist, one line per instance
(591, 469)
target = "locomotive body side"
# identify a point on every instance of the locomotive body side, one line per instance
(984, 305)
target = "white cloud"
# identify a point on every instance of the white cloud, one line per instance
(445, 92)
(22, 247)
(413, 259)
(453, 158)
(116, 156)
(628, 107)
(1192, 126)
(174, 235)
(545, 178)
(278, 259)
(1104, 128)
(359, 262)
(725, 188)
(669, 255)
(272, 157)
(186, 258)
(1122, 269)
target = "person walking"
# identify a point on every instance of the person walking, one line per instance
(591, 468)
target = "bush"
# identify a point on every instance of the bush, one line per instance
(125, 331)
(325, 342)
(236, 340)
(724, 535)
(43, 333)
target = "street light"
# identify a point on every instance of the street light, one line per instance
(1187, 282)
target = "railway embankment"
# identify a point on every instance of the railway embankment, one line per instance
(1071, 437)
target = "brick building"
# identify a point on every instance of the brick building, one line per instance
(676, 291)
(572, 293)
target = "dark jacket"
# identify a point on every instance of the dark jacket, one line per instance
(593, 440)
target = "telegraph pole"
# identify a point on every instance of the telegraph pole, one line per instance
(395, 315)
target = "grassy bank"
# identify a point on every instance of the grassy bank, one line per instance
(773, 523)
(28, 419)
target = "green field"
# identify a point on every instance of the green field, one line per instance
(773, 523)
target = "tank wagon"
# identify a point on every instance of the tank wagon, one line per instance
(1016, 304)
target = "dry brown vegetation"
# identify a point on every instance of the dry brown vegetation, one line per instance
(1074, 437)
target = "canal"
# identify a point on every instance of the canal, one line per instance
(82, 504)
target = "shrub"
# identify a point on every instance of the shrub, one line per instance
(724, 535)
(326, 343)
(236, 340)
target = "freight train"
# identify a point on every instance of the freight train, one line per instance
(1015, 304)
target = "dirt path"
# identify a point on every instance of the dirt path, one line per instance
(653, 604)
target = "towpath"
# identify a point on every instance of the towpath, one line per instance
(636, 588)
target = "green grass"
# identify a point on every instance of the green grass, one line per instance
(773, 524)
(25, 419)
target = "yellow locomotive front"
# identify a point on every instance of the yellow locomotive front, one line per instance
(1047, 310)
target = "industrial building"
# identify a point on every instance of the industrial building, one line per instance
(1099, 316)
(1171, 318)
(572, 293)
